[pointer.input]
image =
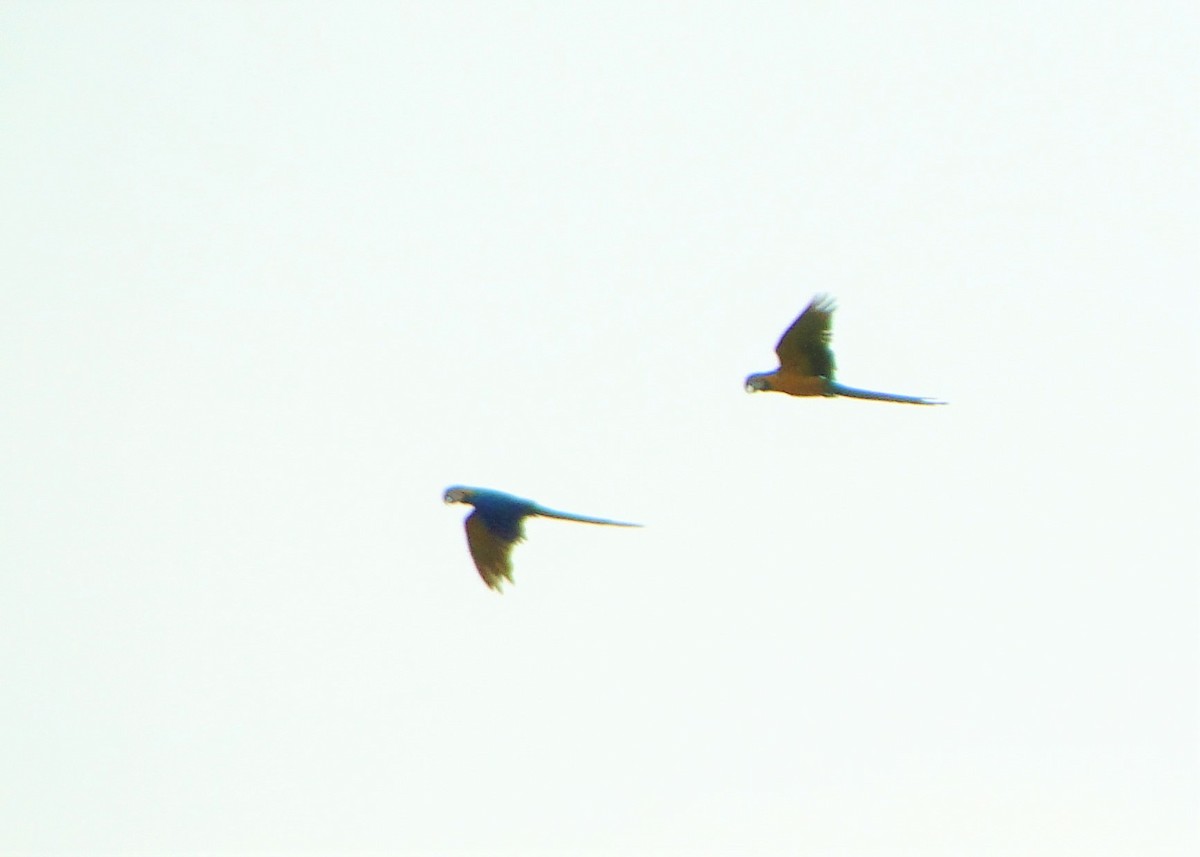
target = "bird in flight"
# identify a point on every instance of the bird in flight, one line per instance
(806, 364)
(498, 523)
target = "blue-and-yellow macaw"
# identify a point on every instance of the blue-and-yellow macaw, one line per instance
(497, 524)
(806, 364)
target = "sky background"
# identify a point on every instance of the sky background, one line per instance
(274, 275)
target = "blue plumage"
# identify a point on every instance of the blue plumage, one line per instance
(498, 523)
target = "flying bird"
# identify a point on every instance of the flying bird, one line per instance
(806, 366)
(498, 523)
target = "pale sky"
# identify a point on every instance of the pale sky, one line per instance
(276, 274)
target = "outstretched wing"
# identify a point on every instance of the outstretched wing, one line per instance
(804, 347)
(492, 553)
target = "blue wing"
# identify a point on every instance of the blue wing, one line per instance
(492, 553)
(804, 346)
(495, 525)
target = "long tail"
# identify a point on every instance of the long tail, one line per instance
(583, 519)
(854, 393)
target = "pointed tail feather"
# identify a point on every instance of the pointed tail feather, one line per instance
(855, 393)
(583, 519)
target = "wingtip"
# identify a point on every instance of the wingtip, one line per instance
(823, 302)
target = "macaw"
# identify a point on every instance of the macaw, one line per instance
(806, 364)
(497, 524)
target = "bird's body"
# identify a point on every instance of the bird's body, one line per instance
(797, 383)
(806, 364)
(497, 524)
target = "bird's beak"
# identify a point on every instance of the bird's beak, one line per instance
(755, 384)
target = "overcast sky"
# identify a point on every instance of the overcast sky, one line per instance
(273, 275)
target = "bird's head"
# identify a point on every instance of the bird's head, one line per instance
(759, 382)
(458, 494)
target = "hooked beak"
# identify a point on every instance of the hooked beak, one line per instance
(757, 384)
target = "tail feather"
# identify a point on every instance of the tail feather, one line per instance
(583, 519)
(855, 393)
